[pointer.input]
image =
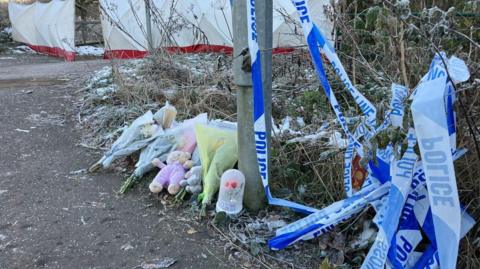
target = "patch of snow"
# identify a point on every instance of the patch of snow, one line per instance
(403, 7)
(300, 122)
(275, 224)
(286, 128)
(44, 118)
(105, 91)
(101, 78)
(335, 140)
(367, 235)
(7, 30)
(275, 129)
(90, 51)
(22, 49)
(308, 138)
(403, 3)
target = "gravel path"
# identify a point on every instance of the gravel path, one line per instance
(54, 217)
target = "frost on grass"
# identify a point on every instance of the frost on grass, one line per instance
(117, 94)
(307, 139)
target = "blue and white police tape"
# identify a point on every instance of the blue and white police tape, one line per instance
(402, 173)
(423, 214)
(312, 33)
(315, 38)
(325, 220)
(458, 71)
(434, 131)
(431, 125)
(409, 234)
(397, 104)
(365, 105)
(332, 209)
(313, 42)
(260, 129)
(347, 171)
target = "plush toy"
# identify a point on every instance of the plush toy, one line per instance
(172, 173)
(193, 180)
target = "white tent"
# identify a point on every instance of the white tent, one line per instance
(286, 28)
(123, 28)
(45, 27)
(194, 25)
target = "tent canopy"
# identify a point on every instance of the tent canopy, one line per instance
(194, 25)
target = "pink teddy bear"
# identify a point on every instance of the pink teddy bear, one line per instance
(170, 175)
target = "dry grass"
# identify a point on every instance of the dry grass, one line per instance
(312, 173)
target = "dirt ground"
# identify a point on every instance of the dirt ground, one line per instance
(52, 215)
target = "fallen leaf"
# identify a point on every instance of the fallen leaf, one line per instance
(22, 131)
(326, 264)
(191, 231)
(126, 247)
(157, 264)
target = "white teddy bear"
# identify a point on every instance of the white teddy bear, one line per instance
(193, 180)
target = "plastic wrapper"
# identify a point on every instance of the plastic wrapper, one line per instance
(133, 138)
(165, 116)
(175, 138)
(218, 152)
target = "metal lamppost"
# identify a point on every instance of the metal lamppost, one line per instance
(254, 192)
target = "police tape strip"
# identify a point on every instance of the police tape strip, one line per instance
(315, 39)
(423, 214)
(347, 171)
(260, 130)
(334, 208)
(402, 174)
(408, 235)
(421, 118)
(324, 221)
(397, 104)
(458, 71)
(365, 105)
(431, 125)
